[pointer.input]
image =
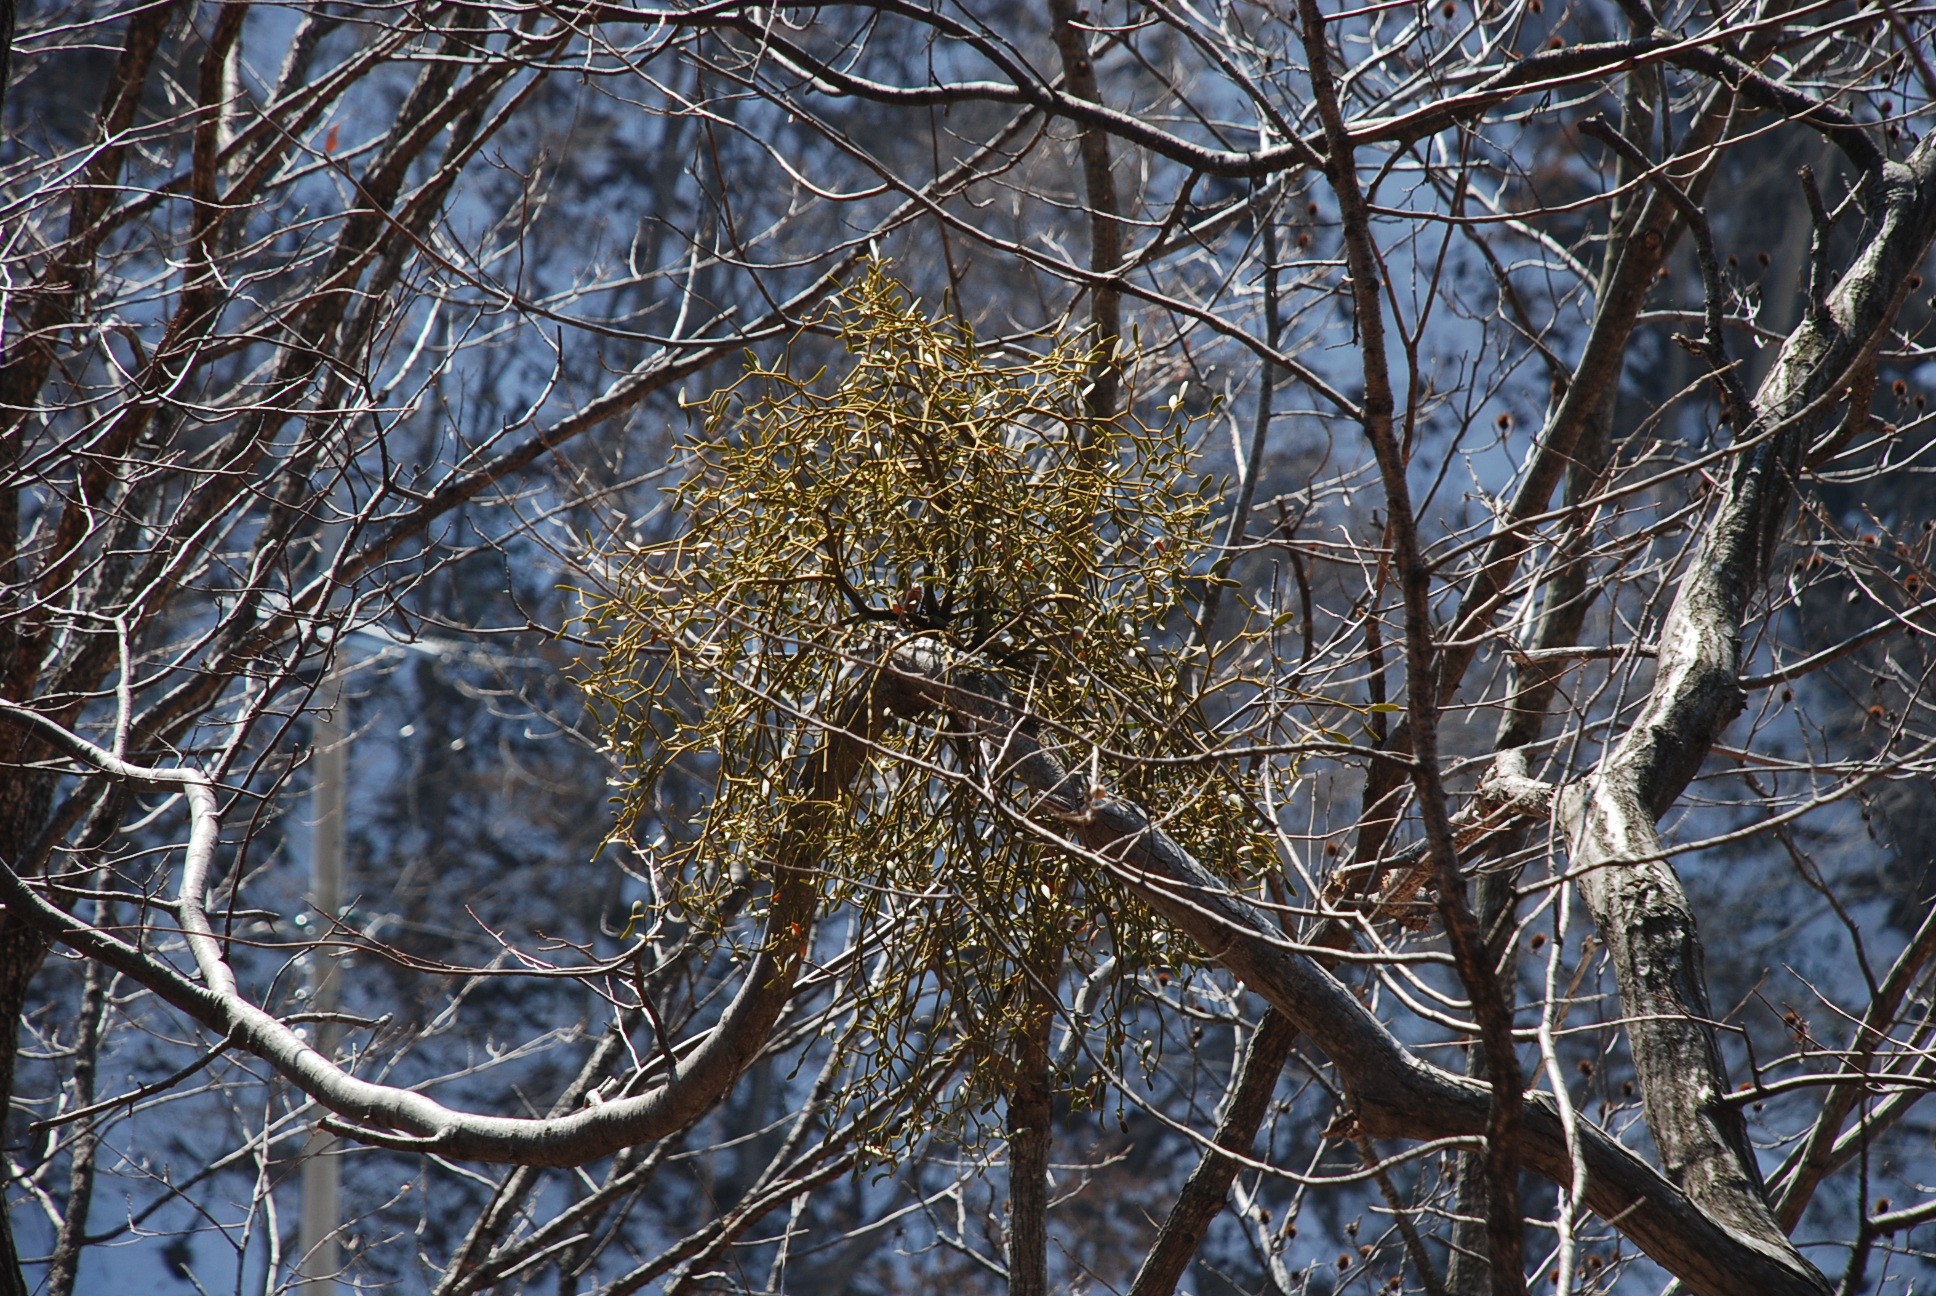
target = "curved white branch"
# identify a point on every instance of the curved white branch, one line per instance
(204, 834)
(399, 1118)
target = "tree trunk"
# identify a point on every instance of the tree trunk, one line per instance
(22, 948)
(1105, 210)
(1031, 1116)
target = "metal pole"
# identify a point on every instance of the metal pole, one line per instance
(319, 1248)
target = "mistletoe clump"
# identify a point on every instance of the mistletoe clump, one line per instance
(924, 487)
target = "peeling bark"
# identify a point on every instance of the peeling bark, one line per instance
(1616, 851)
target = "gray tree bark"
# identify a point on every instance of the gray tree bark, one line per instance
(1616, 851)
